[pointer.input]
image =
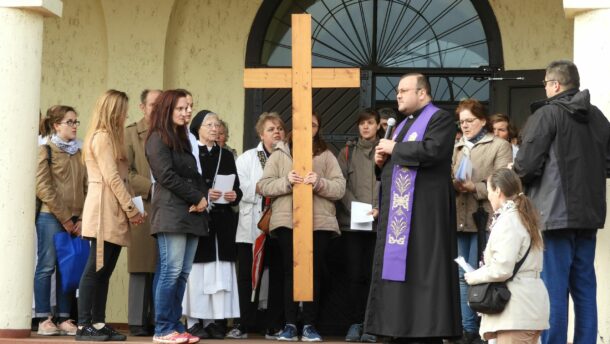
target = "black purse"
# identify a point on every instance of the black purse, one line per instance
(492, 297)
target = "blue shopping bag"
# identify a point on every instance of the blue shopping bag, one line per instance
(72, 253)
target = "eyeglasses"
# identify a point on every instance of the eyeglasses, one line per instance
(405, 90)
(467, 120)
(212, 125)
(71, 123)
(544, 82)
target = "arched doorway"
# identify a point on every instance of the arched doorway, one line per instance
(456, 43)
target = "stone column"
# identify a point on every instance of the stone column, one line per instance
(591, 51)
(21, 23)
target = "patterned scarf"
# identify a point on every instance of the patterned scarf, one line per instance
(70, 147)
(262, 158)
(508, 205)
(478, 136)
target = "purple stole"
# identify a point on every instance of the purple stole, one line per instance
(401, 203)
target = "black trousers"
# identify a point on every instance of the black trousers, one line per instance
(93, 287)
(321, 239)
(140, 304)
(274, 315)
(359, 249)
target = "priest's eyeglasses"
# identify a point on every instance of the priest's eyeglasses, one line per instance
(71, 123)
(405, 90)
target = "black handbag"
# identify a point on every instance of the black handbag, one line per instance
(492, 297)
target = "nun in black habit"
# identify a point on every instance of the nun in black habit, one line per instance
(211, 291)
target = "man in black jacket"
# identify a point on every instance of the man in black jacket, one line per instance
(563, 162)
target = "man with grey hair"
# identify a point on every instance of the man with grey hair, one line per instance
(563, 163)
(141, 255)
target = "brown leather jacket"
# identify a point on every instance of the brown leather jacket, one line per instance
(61, 186)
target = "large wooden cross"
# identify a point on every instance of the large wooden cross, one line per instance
(302, 78)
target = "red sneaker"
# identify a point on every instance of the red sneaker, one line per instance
(189, 337)
(172, 338)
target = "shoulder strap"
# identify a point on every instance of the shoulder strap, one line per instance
(518, 265)
(48, 154)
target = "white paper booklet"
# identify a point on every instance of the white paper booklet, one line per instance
(361, 219)
(464, 264)
(137, 201)
(223, 183)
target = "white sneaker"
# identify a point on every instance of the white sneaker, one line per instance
(68, 328)
(237, 333)
(47, 328)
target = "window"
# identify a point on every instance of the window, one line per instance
(456, 43)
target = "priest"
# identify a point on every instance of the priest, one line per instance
(414, 295)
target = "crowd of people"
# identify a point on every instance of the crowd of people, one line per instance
(521, 209)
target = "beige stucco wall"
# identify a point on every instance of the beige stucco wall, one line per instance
(592, 61)
(75, 58)
(205, 53)
(533, 32)
(200, 45)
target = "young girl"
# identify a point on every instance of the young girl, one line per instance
(107, 213)
(60, 185)
(358, 167)
(328, 186)
(514, 231)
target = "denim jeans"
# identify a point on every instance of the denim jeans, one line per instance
(467, 248)
(176, 254)
(568, 269)
(46, 227)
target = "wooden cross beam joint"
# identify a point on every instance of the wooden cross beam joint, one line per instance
(302, 78)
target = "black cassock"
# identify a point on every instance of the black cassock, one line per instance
(427, 303)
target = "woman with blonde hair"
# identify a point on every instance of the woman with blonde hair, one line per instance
(60, 186)
(515, 235)
(107, 213)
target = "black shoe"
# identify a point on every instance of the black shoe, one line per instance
(214, 331)
(138, 331)
(470, 338)
(197, 330)
(113, 335)
(91, 334)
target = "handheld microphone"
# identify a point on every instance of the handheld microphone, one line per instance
(391, 124)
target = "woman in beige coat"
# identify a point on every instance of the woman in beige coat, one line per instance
(486, 153)
(328, 186)
(107, 213)
(514, 230)
(60, 185)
